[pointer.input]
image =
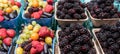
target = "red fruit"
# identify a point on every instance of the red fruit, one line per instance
(52, 34)
(11, 33)
(35, 43)
(18, 4)
(1, 12)
(40, 12)
(3, 33)
(12, 2)
(48, 8)
(40, 47)
(44, 31)
(36, 15)
(1, 18)
(7, 41)
(33, 51)
(42, 43)
(50, 2)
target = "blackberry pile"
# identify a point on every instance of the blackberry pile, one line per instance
(75, 39)
(70, 9)
(102, 9)
(109, 38)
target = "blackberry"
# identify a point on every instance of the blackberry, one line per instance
(85, 48)
(118, 52)
(109, 52)
(71, 11)
(92, 51)
(102, 6)
(80, 53)
(65, 10)
(106, 27)
(83, 15)
(75, 33)
(30, 10)
(118, 24)
(77, 16)
(94, 15)
(76, 48)
(67, 16)
(67, 5)
(83, 31)
(118, 41)
(63, 42)
(27, 15)
(79, 39)
(114, 47)
(97, 11)
(102, 37)
(71, 52)
(104, 44)
(90, 43)
(61, 16)
(115, 35)
(61, 33)
(110, 41)
(83, 5)
(115, 16)
(61, 2)
(69, 37)
(67, 48)
(59, 7)
(85, 38)
(58, 12)
(108, 34)
(113, 29)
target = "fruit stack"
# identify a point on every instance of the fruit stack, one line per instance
(35, 39)
(68, 11)
(6, 36)
(108, 37)
(103, 11)
(75, 39)
(9, 12)
(38, 10)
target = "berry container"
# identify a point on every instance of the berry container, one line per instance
(98, 22)
(41, 21)
(57, 49)
(13, 23)
(68, 21)
(96, 39)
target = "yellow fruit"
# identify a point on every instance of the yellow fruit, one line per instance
(5, 5)
(35, 36)
(48, 40)
(30, 27)
(19, 50)
(5, 1)
(44, 4)
(1, 5)
(9, 10)
(35, 4)
(15, 7)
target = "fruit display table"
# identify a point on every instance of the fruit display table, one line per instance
(59, 27)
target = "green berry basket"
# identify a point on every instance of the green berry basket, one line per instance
(68, 21)
(57, 48)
